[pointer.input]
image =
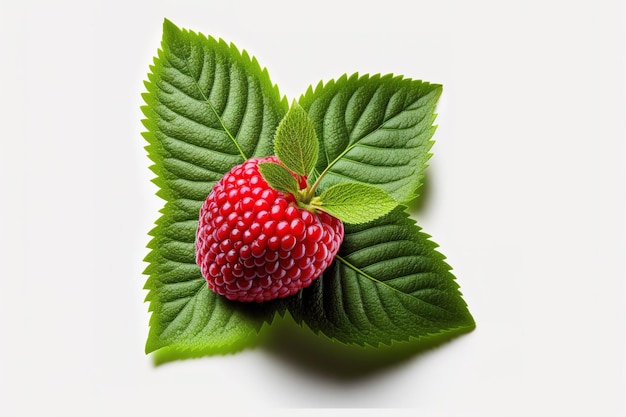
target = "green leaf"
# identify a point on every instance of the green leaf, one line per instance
(208, 106)
(387, 284)
(295, 143)
(375, 130)
(278, 177)
(355, 203)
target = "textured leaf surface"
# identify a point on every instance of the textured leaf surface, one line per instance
(387, 284)
(295, 143)
(374, 130)
(353, 202)
(278, 177)
(208, 107)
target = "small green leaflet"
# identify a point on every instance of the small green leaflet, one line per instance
(355, 203)
(295, 143)
(209, 106)
(278, 177)
(350, 202)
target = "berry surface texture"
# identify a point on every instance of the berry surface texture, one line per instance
(253, 243)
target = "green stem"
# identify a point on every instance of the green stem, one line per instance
(311, 191)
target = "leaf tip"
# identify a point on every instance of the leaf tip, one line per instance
(151, 344)
(169, 28)
(173, 39)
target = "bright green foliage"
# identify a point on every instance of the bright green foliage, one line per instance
(387, 284)
(295, 143)
(355, 203)
(278, 177)
(208, 108)
(375, 130)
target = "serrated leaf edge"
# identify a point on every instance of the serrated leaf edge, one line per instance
(468, 325)
(153, 149)
(311, 92)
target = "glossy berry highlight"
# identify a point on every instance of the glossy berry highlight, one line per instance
(254, 243)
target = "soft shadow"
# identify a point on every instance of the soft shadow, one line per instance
(167, 355)
(305, 351)
(262, 313)
(308, 352)
(418, 204)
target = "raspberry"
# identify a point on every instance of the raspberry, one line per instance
(254, 243)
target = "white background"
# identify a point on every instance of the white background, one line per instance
(525, 195)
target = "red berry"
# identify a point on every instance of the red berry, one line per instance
(254, 243)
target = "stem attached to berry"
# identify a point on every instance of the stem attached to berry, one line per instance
(306, 198)
(310, 191)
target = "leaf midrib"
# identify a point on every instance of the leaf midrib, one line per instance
(190, 298)
(208, 102)
(379, 127)
(382, 283)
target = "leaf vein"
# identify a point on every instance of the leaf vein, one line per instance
(358, 120)
(367, 165)
(205, 170)
(189, 117)
(382, 283)
(200, 147)
(390, 320)
(348, 177)
(382, 244)
(208, 102)
(384, 122)
(246, 108)
(163, 331)
(343, 303)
